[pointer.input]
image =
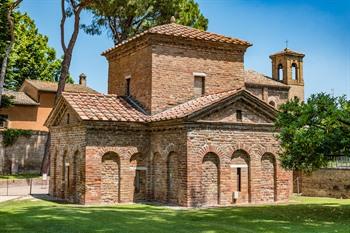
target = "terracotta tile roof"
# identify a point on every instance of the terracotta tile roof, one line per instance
(192, 106)
(287, 51)
(52, 86)
(20, 98)
(254, 78)
(180, 31)
(101, 107)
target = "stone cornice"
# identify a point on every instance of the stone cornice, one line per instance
(156, 39)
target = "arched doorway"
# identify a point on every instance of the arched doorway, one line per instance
(240, 167)
(172, 178)
(210, 179)
(268, 181)
(110, 178)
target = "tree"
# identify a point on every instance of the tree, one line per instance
(31, 56)
(125, 18)
(312, 132)
(74, 9)
(7, 7)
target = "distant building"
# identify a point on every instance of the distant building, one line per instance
(183, 123)
(32, 105)
(34, 102)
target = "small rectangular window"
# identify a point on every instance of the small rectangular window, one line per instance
(138, 181)
(239, 115)
(127, 88)
(3, 121)
(199, 85)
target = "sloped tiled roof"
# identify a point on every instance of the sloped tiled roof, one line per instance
(20, 98)
(101, 107)
(287, 51)
(180, 31)
(255, 78)
(52, 86)
(192, 106)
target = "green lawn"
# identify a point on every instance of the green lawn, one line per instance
(304, 215)
(19, 176)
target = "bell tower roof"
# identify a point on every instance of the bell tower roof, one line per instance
(288, 52)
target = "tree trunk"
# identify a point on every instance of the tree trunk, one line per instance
(68, 51)
(3, 69)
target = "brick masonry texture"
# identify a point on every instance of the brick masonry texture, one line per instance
(188, 165)
(186, 150)
(24, 156)
(173, 67)
(325, 183)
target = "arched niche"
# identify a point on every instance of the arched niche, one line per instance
(110, 178)
(210, 179)
(268, 178)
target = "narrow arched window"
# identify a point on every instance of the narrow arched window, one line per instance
(68, 118)
(294, 71)
(280, 72)
(272, 103)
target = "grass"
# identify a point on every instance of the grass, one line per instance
(302, 215)
(18, 176)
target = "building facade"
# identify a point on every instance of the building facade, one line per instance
(33, 103)
(183, 123)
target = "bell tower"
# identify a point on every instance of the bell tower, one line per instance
(287, 67)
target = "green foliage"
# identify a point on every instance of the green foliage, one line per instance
(7, 101)
(311, 132)
(10, 135)
(19, 176)
(4, 33)
(31, 57)
(125, 18)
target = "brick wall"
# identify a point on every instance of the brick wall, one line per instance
(276, 95)
(228, 114)
(169, 150)
(326, 183)
(24, 156)
(67, 163)
(136, 65)
(161, 73)
(224, 143)
(173, 67)
(130, 153)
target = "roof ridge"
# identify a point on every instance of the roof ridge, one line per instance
(179, 30)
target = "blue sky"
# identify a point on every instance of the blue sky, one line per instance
(318, 28)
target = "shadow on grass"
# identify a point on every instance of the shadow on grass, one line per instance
(42, 216)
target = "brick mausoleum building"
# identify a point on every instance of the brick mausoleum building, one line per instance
(183, 123)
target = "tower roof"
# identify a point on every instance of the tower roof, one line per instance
(183, 32)
(287, 51)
